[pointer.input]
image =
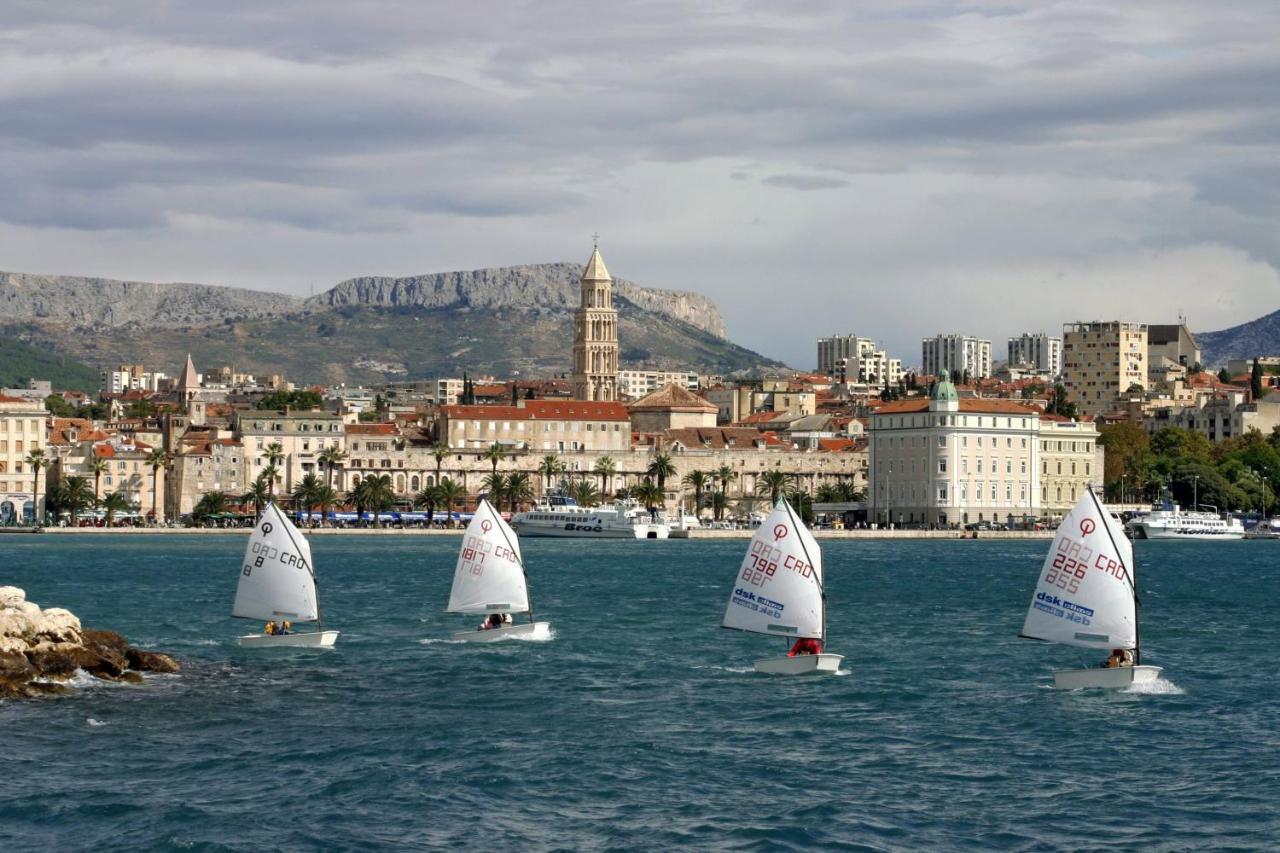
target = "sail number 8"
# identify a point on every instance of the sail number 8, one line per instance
(265, 552)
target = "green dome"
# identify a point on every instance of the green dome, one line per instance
(943, 390)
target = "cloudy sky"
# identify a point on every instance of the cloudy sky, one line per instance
(894, 169)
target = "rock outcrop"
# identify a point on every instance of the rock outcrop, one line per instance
(41, 648)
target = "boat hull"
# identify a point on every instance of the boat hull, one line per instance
(1116, 678)
(525, 631)
(823, 664)
(1157, 532)
(572, 530)
(312, 640)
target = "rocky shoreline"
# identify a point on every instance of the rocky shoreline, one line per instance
(42, 649)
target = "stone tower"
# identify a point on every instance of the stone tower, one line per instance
(595, 336)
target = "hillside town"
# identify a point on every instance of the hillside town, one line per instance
(962, 440)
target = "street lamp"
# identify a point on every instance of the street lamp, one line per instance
(1195, 492)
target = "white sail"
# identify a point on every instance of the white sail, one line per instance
(489, 577)
(778, 588)
(276, 580)
(1085, 594)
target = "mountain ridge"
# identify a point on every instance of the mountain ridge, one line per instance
(1246, 340)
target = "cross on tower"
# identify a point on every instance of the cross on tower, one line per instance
(596, 239)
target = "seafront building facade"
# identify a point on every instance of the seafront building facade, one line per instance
(1101, 361)
(1070, 460)
(959, 355)
(22, 430)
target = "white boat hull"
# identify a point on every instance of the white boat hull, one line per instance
(1146, 531)
(823, 664)
(312, 640)
(1116, 678)
(526, 631)
(578, 530)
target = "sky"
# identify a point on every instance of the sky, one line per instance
(892, 169)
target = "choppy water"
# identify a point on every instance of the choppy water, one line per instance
(640, 725)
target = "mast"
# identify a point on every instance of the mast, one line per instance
(1129, 575)
(514, 550)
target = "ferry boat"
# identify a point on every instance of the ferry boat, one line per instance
(1167, 520)
(560, 516)
(1269, 529)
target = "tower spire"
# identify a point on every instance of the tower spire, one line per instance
(595, 334)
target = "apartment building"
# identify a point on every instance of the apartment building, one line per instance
(957, 354)
(301, 435)
(1070, 459)
(837, 348)
(1101, 361)
(634, 384)
(22, 430)
(1037, 353)
(539, 425)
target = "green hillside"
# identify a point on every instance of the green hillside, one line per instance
(20, 362)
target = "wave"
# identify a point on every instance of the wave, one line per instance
(94, 723)
(431, 641)
(1159, 687)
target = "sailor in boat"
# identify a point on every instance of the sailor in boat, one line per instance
(270, 629)
(286, 627)
(1119, 658)
(806, 646)
(496, 620)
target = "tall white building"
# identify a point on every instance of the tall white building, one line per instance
(1042, 353)
(635, 384)
(833, 350)
(956, 354)
(944, 460)
(851, 359)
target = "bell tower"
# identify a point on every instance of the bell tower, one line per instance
(595, 335)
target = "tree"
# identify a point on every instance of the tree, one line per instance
(495, 454)
(55, 405)
(801, 501)
(429, 498)
(660, 469)
(649, 494)
(36, 460)
(156, 460)
(1224, 376)
(304, 493)
(259, 493)
(724, 476)
(439, 452)
(115, 502)
(826, 494)
(374, 494)
(210, 504)
(274, 455)
(606, 468)
(98, 466)
(1255, 381)
(719, 503)
(270, 475)
(324, 499)
(1127, 448)
(143, 408)
(772, 483)
(698, 481)
(519, 489)
(584, 493)
(1059, 404)
(76, 493)
(495, 485)
(330, 458)
(300, 399)
(450, 493)
(549, 467)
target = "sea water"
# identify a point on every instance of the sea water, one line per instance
(640, 724)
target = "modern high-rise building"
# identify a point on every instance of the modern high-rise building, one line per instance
(595, 336)
(957, 354)
(833, 350)
(1041, 353)
(1101, 361)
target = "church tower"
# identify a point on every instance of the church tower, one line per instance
(595, 335)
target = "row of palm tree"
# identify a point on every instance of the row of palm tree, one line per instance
(75, 493)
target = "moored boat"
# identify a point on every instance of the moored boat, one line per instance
(1167, 520)
(560, 516)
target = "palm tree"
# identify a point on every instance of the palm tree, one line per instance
(156, 459)
(374, 493)
(495, 454)
(519, 489)
(210, 503)
(77, 492)
(827, 494)
(37, 460)
(772, 483)
(331, 457)
(726, 475)
(661, 468)
(549, 467)
(275, 455)
(696, 480)
(606, 468)
(429, 497)
(584, 493)
(98, 466)
(270, 475)
(325, 497)
(439, 451)
(259, 493)
(304, 494)
(450, 492)
(115, 502)
(648, 494)
(495, 485)
(719, 503)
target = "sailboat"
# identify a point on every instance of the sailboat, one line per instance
(779, 592)
(278, 582)
(1086, 597)
(490, 578)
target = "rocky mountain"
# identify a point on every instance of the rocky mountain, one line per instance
(1257, 337)
(511, 321)
(554, 286)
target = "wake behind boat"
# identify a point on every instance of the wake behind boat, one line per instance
(489, 579)
(779, 592)
(1086, 598)
(278, 583)
(560, 516)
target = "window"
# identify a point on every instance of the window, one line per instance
(942, 464)
(942, 491)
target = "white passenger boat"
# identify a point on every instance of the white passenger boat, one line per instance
(1086, 597)
(779, 592)
(561, 516)
(278, 583)
(489, 578)
(1167, 520)
(680, 526)
(1269, 529)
